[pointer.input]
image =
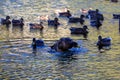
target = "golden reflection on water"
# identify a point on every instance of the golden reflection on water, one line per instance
(90, 66)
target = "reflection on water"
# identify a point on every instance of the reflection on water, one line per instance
(19, 62)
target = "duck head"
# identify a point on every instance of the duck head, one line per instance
(99, 37)
(85, 27)
(7, 17)
(82, 16)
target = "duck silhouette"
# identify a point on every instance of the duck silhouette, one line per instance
(77, 19)
(80, 31)
(64, 44)
(53, 22)
(6, 21)
(36, 26)
(103, 42)
(19, 22)
(37, 43)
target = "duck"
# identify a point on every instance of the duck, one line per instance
(116, 16)
(82, 31)
(99, 15)
(5, 21)
(65, 14)
(114, 1)
(96, 18)
(19, 22)
(103, 42)
(96, 23)
(90, 15)
(64, 44)
(36, 26)
(77, 19)
(93, 14)
(37, 43)
(53, 22)
(60, 11)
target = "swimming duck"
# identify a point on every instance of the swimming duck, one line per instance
(114, 1)
(96, 23)
(64, 44)
(37, 43)
(77, 19)
(103, 42)
(60, 11)
(65, 14)
(82, 31)
(19, 22)
(36, 26)
(96, 18)
(53, 22)
(6, 21)
(116, 16)
(93, 14)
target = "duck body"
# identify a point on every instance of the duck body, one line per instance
(5, 21)
(37, 43)
(105, 42)
(116, 16)
(74, 20)
(114, 1)
(80, 31)
(96, 18)
(77, 30)
(64, 44)
(93, 14)
(19, 22)
(77, 19)
(65, 14)
(53, 22)
(95, 23)
(36, 26)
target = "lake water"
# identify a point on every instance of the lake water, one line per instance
(19, 62)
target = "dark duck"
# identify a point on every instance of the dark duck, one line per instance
(37, 26)
(96, 18)
(53, 22)
(103, 42)
(116, 16)
(64, 44)
(65, 14)
(37, 43)
(77, 19)
(80, 31)
(6, 21)
(19, 22)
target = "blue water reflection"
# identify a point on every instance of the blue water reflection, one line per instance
(18, 61)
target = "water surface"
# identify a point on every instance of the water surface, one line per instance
(19, 62)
